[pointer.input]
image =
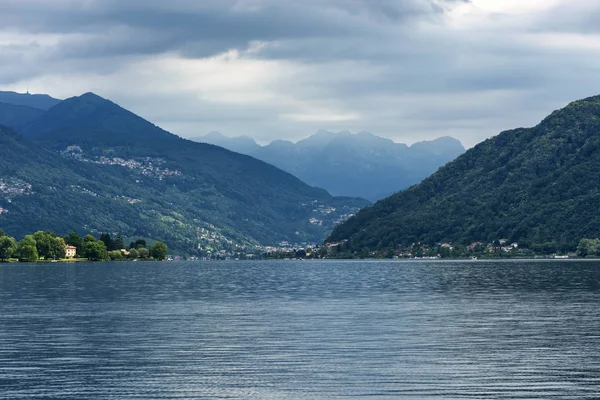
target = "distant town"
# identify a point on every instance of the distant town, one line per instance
(147, 166)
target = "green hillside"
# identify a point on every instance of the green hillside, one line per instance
(533, 186)
(18, 117)
(94, 166)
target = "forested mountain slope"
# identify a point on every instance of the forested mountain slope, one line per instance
(17, 117)
(137, 179)
(532, 186)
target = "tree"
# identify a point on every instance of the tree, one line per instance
(27, 249)
(73, 239)
(118, 243)
(58, 248)
(107, 240)
(138, 244)
(8, 246)
(299, 253)
(116, 255)
(143, 252)
(95, 251)
(158, 251)
(43, 243)
(133, 254)
(445, 252)
(588, 247)
(88, 238)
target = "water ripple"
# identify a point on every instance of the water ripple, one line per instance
(300, 330)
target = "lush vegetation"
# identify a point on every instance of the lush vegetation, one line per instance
(539, 187)
(16, 116)
(589, 248)
(217, 199)
(48, 246)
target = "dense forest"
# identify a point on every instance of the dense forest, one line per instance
(538, 187)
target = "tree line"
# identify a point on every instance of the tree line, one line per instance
(45, 245)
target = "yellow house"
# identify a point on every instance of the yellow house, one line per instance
(71, 251)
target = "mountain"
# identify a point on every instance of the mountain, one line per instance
(440, 146)
(39, 101)
(360, 165)
(91, 119)
(40, 189)
(99, 167)
(240, 144)
(16, 116)
(533, 186)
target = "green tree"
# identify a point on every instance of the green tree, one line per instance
(417, 250)
(95, 251)
(58, 248)
(73, 239)
(445, 252)
(8, 247)
(138, 244)
(588, 247)
(143, 253)
(43, 242)
(118, 243)
(158, 251)
(27, 249)
(88, 238)
(116, 255)
(107, 240)
(133, 254)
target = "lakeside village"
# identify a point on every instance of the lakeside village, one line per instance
(501, 248)
(47, 246)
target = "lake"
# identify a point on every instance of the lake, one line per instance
(300, 330)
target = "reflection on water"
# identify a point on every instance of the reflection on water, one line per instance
(301, 330)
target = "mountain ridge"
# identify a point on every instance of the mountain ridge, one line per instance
(360, 165)
(191, 195)
(529, 185)
(93, 115)
(40, 101)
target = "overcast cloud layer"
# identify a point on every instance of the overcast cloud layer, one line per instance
(276, 69)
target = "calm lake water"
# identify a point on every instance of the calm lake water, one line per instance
(300, 330)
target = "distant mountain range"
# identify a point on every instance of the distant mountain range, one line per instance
(346, 164)
(538, 186)
(39, 101)
(240, 144)
(86, 164)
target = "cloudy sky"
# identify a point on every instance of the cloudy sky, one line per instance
(282, 69)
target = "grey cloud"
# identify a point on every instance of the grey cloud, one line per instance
(576, 17)
(394, 63)
(203, 28)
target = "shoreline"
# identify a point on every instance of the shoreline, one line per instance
(70, 260)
